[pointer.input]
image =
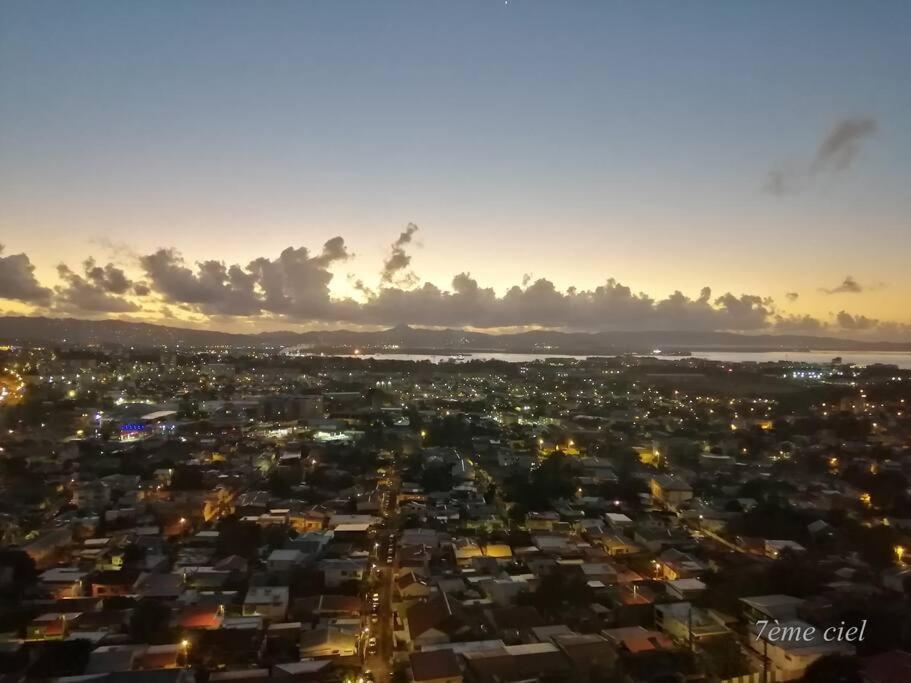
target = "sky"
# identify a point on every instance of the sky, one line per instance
(564, 164)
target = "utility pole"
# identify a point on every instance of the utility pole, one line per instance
(689, 623)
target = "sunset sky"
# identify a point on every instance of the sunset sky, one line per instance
(761, 149)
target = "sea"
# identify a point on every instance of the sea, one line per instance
(902, 359)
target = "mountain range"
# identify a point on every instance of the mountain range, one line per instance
(402, 338)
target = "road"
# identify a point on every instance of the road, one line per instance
(379, 664)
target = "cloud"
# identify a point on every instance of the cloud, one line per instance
(398, 260)
(99, 289)
(294, 284)
(799, 324)
(855, 322)
(837, 151)
(840, 147)
(611, 306)
(18, 281)
(294, 287)
(792, 296)
(848, 286)
(779, 182)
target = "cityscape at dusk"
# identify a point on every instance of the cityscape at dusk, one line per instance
(455, 341)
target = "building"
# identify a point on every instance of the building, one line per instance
(269, 602)
(436, 666)
(669, 491)
(793, 649)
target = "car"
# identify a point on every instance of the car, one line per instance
(374, 618)
(371, 646)
(376, 597)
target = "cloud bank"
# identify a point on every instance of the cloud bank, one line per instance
(294, 288)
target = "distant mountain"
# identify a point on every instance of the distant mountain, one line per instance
(54, 331)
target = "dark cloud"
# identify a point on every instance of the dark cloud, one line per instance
(109, 278)
(799, 324)
(837, 151)
(295, 287)
(612, 306)
(398, 260)
(779, 182)
(295, 284)
(98, 289)
(792, 296)
(214, 288)
(840, 147)
(848, 286)
(846, 321)
(18, 281)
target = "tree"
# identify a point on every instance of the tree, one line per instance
(187, 478)
(552, 480)
(150, 622)
(238, 538)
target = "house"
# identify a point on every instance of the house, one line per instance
(774, 549)
(415, 559)
(240, 676)
(670, 491)
(111, 582)
(282, 561)
(437, 666)
(504, 591)
(269, 602)
(674, 564)
(465, 550)
(618, 546)
(435, 621)
(206, 616)
(327, 606)
(541, 521)
(328, 643)
(45, 547)
(50, 626)
(340, 571)
(635, 639)
(793, 648)
(770, 607)
(685, 589)
(618, 521)
(162, 586)
(501, 552)
(532, 661)
(514, 624)
(600, 572)
(586, 652)
(411, 587)
(307, 670)
(684, 622)
(63, 582)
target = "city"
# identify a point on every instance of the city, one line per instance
(215, 515)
